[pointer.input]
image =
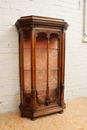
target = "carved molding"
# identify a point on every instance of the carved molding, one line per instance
(47, 101)
(40, 24)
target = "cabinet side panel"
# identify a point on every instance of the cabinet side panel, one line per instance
(27, 61)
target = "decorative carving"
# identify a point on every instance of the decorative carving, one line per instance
(46, 24)
(54, 100)
(63, 30)
(28, 101)
(63, 104)
(48, 35)
(47, 101)
(32, 89)
(26, 34)
(39, 102)
(32, 24)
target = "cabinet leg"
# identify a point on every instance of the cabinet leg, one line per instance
(61, 112)
(33, 118)
(22, 116)
(63, 105)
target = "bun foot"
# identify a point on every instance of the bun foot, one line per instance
(61, 112)
(33, 118)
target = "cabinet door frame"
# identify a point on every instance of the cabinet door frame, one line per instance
(58, 32)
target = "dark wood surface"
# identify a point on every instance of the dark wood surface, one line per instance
(41, 65)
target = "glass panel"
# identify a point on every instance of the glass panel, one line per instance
(41, 96)
(41, 79)
(53, 79)
(53, 67)
(41, 66)
(53, 94)
(53, 41)
(27, 81)
(27, 59)
(53, 51)
(41, 40)
(41, 59)
(53, 85)
(53, 59)
(26, 39)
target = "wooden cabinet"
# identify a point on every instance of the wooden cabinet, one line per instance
(41, 64)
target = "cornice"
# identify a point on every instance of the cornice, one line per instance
(37, 21)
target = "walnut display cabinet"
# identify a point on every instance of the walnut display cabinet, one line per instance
(41, 63)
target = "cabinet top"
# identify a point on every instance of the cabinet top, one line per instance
(39, 21)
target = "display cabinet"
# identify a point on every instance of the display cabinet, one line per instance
(41, 65)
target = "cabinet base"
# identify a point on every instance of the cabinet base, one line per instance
(41, 111)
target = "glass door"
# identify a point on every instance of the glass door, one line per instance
(41, 66)
(47, 67)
